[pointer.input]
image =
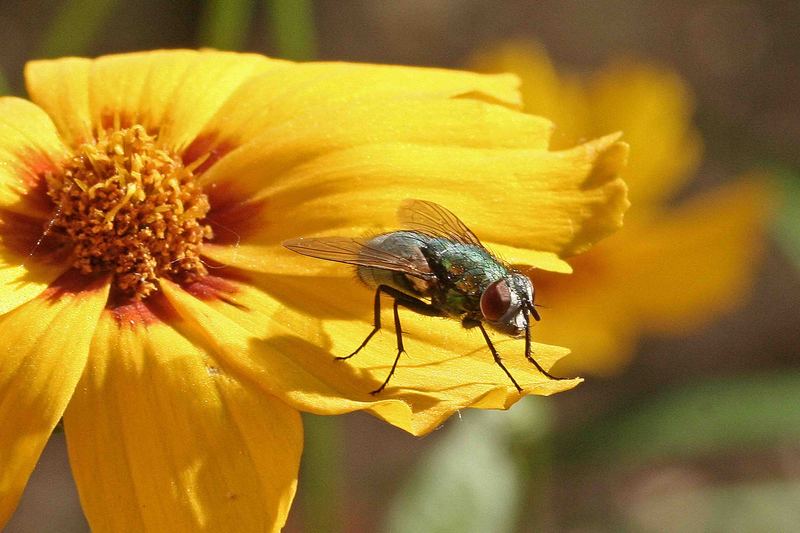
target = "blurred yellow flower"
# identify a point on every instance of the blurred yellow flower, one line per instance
(672, 269)
(145, 296)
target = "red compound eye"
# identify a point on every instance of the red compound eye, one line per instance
(495, 300)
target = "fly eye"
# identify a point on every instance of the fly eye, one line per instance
(495, 300)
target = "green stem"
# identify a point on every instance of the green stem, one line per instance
(321, 473)
(5, 88)
(225, 24)
(787, 224)
(74, 27)
(291, 25)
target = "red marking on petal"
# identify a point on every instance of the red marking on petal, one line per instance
(233, 221)
(141, 313)
(209, 287)
(72, 283)
(214, 288)
(33, 165)
(114, 119)
(206, 145)
(26, 236)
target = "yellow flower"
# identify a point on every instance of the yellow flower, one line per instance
(671, 269)
(145, 296)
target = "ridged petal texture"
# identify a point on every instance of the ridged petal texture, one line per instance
(181, 408)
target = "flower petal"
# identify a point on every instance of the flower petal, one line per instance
(174, 92)
(653, 107)
(588, 301)
(45, 346)
(275, 340)
(320, 89)
(712, 242)
(286, 142)
(562, 99)
(61, 88)
(29, 146)
(558, 202)
(275, 259)
(671, 275)
(515, 255)
(162, 438)
(23, 278)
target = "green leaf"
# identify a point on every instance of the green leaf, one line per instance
(697, 419)
(787, 224)
(469, 480)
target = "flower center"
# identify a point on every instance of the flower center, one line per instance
(128, 207)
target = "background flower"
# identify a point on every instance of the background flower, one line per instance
(673, 268)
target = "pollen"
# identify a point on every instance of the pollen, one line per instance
(126, 206)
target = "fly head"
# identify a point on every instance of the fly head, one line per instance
(507, 303)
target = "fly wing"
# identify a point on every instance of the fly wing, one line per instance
(433, 219)
(356, 252)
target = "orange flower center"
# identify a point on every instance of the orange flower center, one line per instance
(126, 206)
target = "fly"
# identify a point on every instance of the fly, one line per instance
(436, 267)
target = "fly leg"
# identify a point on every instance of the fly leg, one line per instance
(528, 355)
(494, 352)
(399, 333)
(376, 323)
(400, 298)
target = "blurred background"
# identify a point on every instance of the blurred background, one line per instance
(686, 324)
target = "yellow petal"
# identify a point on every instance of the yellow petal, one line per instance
(671, 275)
(697, 261)
(653, 107)
(586, 302)
(515, 255)
(282, 144)
(173, 92)
(29, 147)
(278, 341)
(277, 260)
(557, 202)
(61, 87)
(273, 259)
(23, 277)
(45, 344)
(304, 96)
(161, 438)
(562, 99)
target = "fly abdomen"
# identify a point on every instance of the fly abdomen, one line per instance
(408, 246)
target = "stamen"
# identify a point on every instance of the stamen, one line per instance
(129, 207)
